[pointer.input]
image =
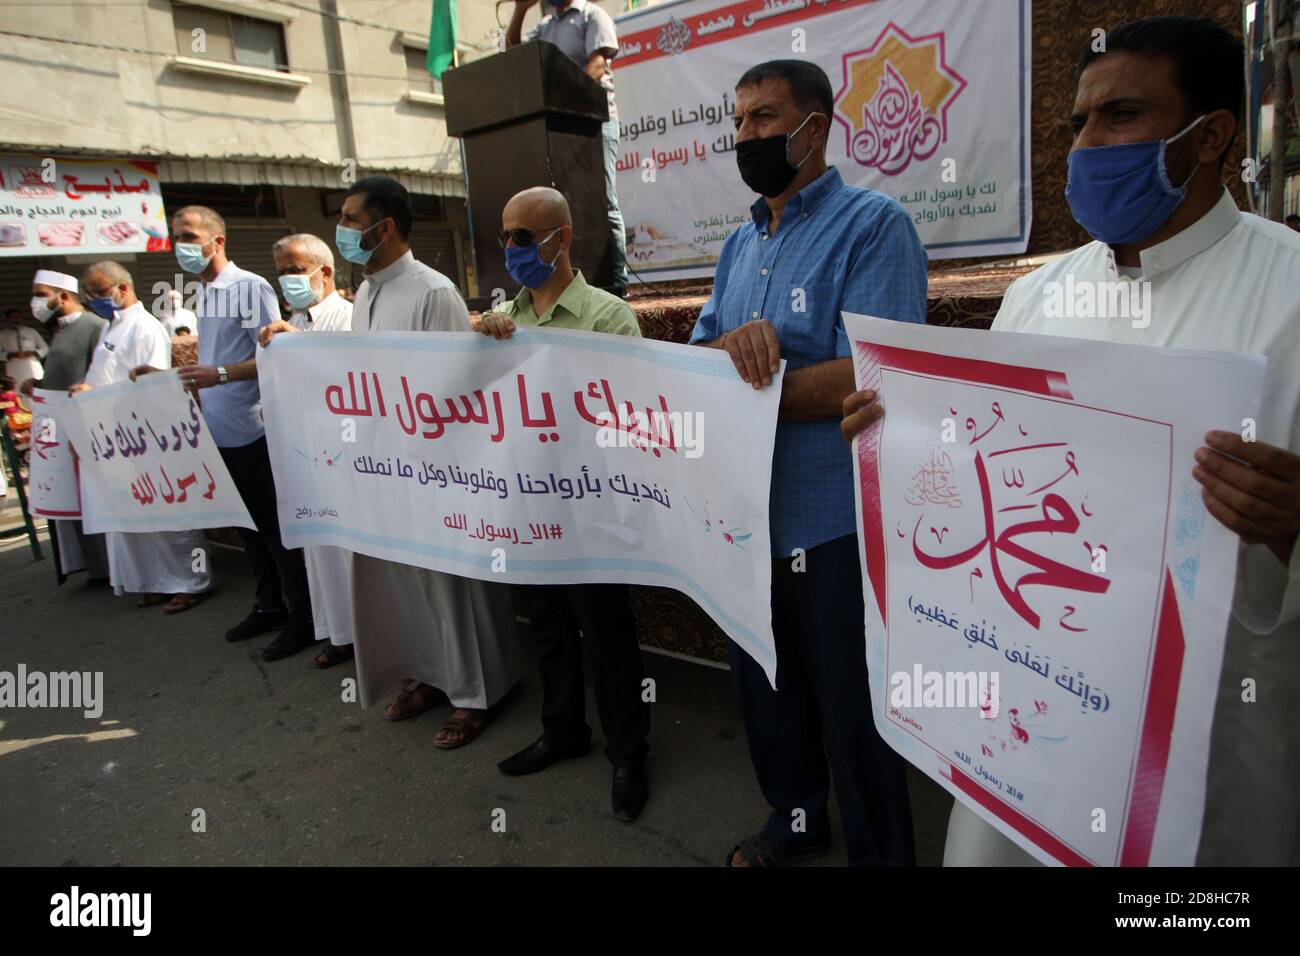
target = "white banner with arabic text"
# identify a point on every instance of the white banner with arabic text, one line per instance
(554, 457)
(931, 106)
(148, 461)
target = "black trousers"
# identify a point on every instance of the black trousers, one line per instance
(602, 614)
(821, 713)
(280, 575)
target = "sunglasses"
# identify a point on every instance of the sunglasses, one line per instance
(520, 237)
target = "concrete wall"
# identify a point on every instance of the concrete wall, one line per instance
(139, 103)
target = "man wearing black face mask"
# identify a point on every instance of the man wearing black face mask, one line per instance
(815, 246)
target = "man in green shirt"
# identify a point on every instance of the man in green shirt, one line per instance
(537, 231)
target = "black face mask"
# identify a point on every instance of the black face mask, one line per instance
(765, 163)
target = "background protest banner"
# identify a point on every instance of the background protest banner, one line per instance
(1047, 597)
(54, 206)
(52, 490)
(147, 460)
(923, 112)
(554, 457)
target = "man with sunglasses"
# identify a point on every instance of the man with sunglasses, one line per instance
(536, 235)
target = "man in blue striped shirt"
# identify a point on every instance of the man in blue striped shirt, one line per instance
(815, 247)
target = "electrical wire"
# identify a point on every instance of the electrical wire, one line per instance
(167, 56)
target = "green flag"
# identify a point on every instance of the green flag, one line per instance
(442, 37)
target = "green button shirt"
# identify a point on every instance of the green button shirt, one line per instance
(579, 307)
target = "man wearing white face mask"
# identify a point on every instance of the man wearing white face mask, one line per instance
(77, 331)
(22, 348)
(171, 312)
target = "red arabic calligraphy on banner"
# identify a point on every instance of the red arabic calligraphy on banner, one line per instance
(722, 23)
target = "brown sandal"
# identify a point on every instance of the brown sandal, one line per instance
(469, 727)
(334, 654)
(413, 701)
(183, 602)
(150, 600)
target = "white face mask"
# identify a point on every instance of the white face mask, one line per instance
(41, 308)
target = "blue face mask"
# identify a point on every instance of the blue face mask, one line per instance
(1122, 193)
(298, 291)
(190, 257)
(526, 266)
(348, 241)
(103, 306)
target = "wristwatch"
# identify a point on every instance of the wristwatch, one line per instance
(222, 375)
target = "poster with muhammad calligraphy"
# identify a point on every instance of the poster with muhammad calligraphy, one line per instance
(147, 460)
(918, 107)
(552, 457)
(1047, 597)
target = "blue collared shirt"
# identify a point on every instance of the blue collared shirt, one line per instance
(836, 248)
(231, 308)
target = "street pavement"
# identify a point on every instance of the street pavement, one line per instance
(287, 773)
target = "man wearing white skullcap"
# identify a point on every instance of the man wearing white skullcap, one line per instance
(76, 334)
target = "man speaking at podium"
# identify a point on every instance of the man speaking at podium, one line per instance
(585, 34)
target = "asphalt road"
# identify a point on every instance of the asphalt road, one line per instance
(287, 773)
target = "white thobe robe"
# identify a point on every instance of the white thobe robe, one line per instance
(145, 562)
(1228, 282)
(23, 338)
(329, 569)
(454, 633)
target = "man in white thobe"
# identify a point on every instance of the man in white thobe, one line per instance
(1219, 280)
(154, 564)
(174, 316)
(305, 266)
(22, 348)
(449, 637)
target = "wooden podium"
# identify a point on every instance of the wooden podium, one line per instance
(530, 117)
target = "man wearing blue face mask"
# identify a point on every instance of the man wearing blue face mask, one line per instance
(232, 306)
(1154, 117)
(453, 639)
(585, 34)
(537, 229)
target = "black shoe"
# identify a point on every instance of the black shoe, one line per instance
(630, 792)
(292, 639)
(539, 755)
(257, 622)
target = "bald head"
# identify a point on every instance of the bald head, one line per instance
(539, 208)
